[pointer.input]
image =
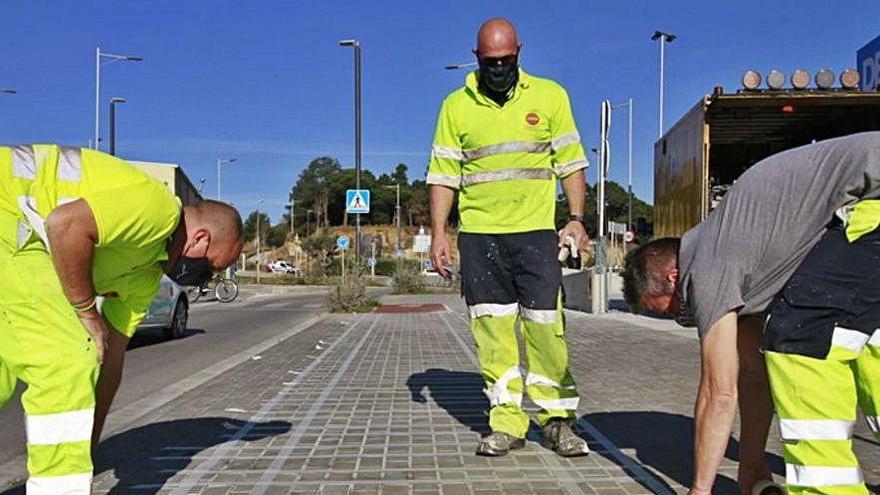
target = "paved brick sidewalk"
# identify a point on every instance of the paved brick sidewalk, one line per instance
(392, 404)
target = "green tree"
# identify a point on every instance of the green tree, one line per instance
(277, 234)
(312, 191)
(250, 226)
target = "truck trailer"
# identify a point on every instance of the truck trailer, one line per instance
(724, 134)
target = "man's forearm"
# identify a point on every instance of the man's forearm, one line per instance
(441, 199)
(755, 405)
(575, 189)
(716, 401)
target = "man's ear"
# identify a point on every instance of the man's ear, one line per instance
(672, 275)
(201, 237)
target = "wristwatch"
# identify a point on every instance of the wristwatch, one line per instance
(576, 218)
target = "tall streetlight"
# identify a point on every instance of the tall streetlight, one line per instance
(309, 222)
(8, 91)
(663, 38)
(113, 102)
(112, 58)
(629, 187)
(222, 161)
(397, 216)
(260, 202)
(357, 138)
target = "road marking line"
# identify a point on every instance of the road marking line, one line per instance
(196, 474)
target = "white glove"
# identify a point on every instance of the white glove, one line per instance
(569, 248)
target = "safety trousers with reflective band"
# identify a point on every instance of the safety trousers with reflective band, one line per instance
(511, 279)
(816, 401)
(43, 344)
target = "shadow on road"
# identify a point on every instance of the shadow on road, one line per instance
(147, 456)
(460, 393)
(154, 336)
(664, 442)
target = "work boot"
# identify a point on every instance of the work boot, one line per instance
(497, 444)
(559, 437)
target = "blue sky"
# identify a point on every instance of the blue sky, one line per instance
(265, 82)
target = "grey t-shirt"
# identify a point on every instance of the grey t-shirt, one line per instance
(749, 246)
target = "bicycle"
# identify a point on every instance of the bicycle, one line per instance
(225, 289)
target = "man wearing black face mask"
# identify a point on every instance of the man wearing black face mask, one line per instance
(503, 141)
(76, 224)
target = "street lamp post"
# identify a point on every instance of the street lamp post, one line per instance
(663, 38)
(309, 222)
(222, 161)
(260, 202)
(113, 102)
(113, 58)
(460, 66)
(357, 138)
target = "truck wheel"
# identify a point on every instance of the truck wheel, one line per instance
(178, 322)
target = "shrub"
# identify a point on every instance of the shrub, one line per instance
(350, 295)
(409, 281)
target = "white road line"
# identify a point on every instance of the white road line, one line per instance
(196, 474)
(278, 462)
(639, 473)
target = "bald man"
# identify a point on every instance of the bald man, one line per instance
(76, 224)
(502, 142)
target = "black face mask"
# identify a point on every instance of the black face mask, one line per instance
(191, 271)
(499, 78)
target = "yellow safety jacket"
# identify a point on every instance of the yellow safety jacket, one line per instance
(505, 160)
(135, 215)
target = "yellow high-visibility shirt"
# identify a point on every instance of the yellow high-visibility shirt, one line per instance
(505, 160)
(135, 214)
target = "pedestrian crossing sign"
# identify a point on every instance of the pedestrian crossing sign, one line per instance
(357, 201)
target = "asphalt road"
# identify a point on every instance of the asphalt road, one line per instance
(215, 332)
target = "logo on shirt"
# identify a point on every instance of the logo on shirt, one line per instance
(532, 118)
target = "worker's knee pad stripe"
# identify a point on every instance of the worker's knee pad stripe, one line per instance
(564, 140)
(816, 429)
(873, 423)
(489, 309)
(822, 476)
(51, 429)
(546, 316)
(24, 165)
(849, 339)
(572, 166)
(69, 164)
(74, 484)
(875, 338)
(499, 394)
(543, 381)
(567, 404)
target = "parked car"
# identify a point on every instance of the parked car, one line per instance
(282, 266)
(169, 311)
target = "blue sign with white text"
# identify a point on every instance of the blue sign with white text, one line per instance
(342, 242)
(357, 201)
(868, 64)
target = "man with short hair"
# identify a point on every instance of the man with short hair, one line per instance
(502, 142)
(77, 224)
(787, 270)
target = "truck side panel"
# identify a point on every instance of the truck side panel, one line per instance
(681, 174)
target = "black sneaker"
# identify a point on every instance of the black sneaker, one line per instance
(559, 437)
(497, 444)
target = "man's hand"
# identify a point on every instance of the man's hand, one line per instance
(577, 232)
(440, 254)
(94, 324)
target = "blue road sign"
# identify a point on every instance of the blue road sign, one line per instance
(357, 201)
(371, 262)
(342, 242)
(868, 64)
